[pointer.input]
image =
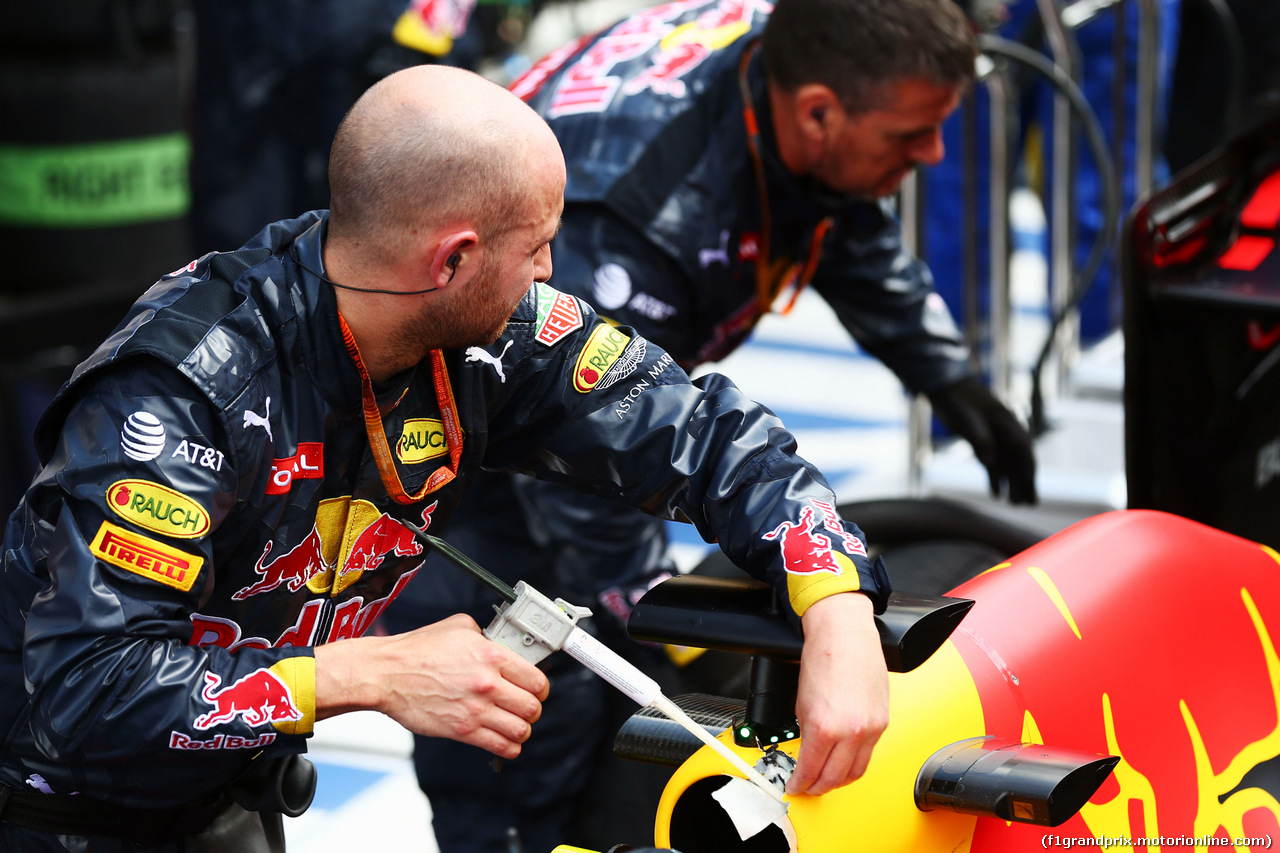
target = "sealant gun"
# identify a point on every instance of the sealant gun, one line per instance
(534, 626)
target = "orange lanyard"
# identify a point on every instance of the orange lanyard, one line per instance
(378, 435)
(770, 280)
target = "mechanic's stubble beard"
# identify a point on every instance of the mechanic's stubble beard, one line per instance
(828, 170)
(474, 317)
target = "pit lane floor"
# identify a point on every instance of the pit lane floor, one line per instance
(367, 796)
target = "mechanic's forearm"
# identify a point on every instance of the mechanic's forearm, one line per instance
(442, 680)
(346, 677)
(843, 699)
(846, 611)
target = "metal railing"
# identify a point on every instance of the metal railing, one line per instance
(991, 336)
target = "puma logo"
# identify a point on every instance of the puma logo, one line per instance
(707, 257)
(480, 354)
(252, 418)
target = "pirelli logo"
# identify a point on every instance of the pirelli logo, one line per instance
(146, 557)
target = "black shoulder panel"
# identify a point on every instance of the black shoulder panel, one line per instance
(178, 328)
(170, 335)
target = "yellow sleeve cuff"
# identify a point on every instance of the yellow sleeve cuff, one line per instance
(807, 589)
(299, 675)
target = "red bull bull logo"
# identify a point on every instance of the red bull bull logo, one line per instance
(376, 542)
(806, 551)
(349, 538)
(259, 698)
(814, 569)
(292, 570)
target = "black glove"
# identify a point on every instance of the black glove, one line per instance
(1000, 442)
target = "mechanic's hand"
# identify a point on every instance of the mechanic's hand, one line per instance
(1001, 443)
(443, 680)
(843, 700)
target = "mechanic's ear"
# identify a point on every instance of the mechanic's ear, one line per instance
(451, 257)
(816, 105)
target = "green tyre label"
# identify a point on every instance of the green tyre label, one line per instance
(120, 182)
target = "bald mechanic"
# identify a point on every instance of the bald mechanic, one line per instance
(723, 155)
(219, 516)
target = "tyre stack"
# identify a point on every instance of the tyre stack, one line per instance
(94, 192)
